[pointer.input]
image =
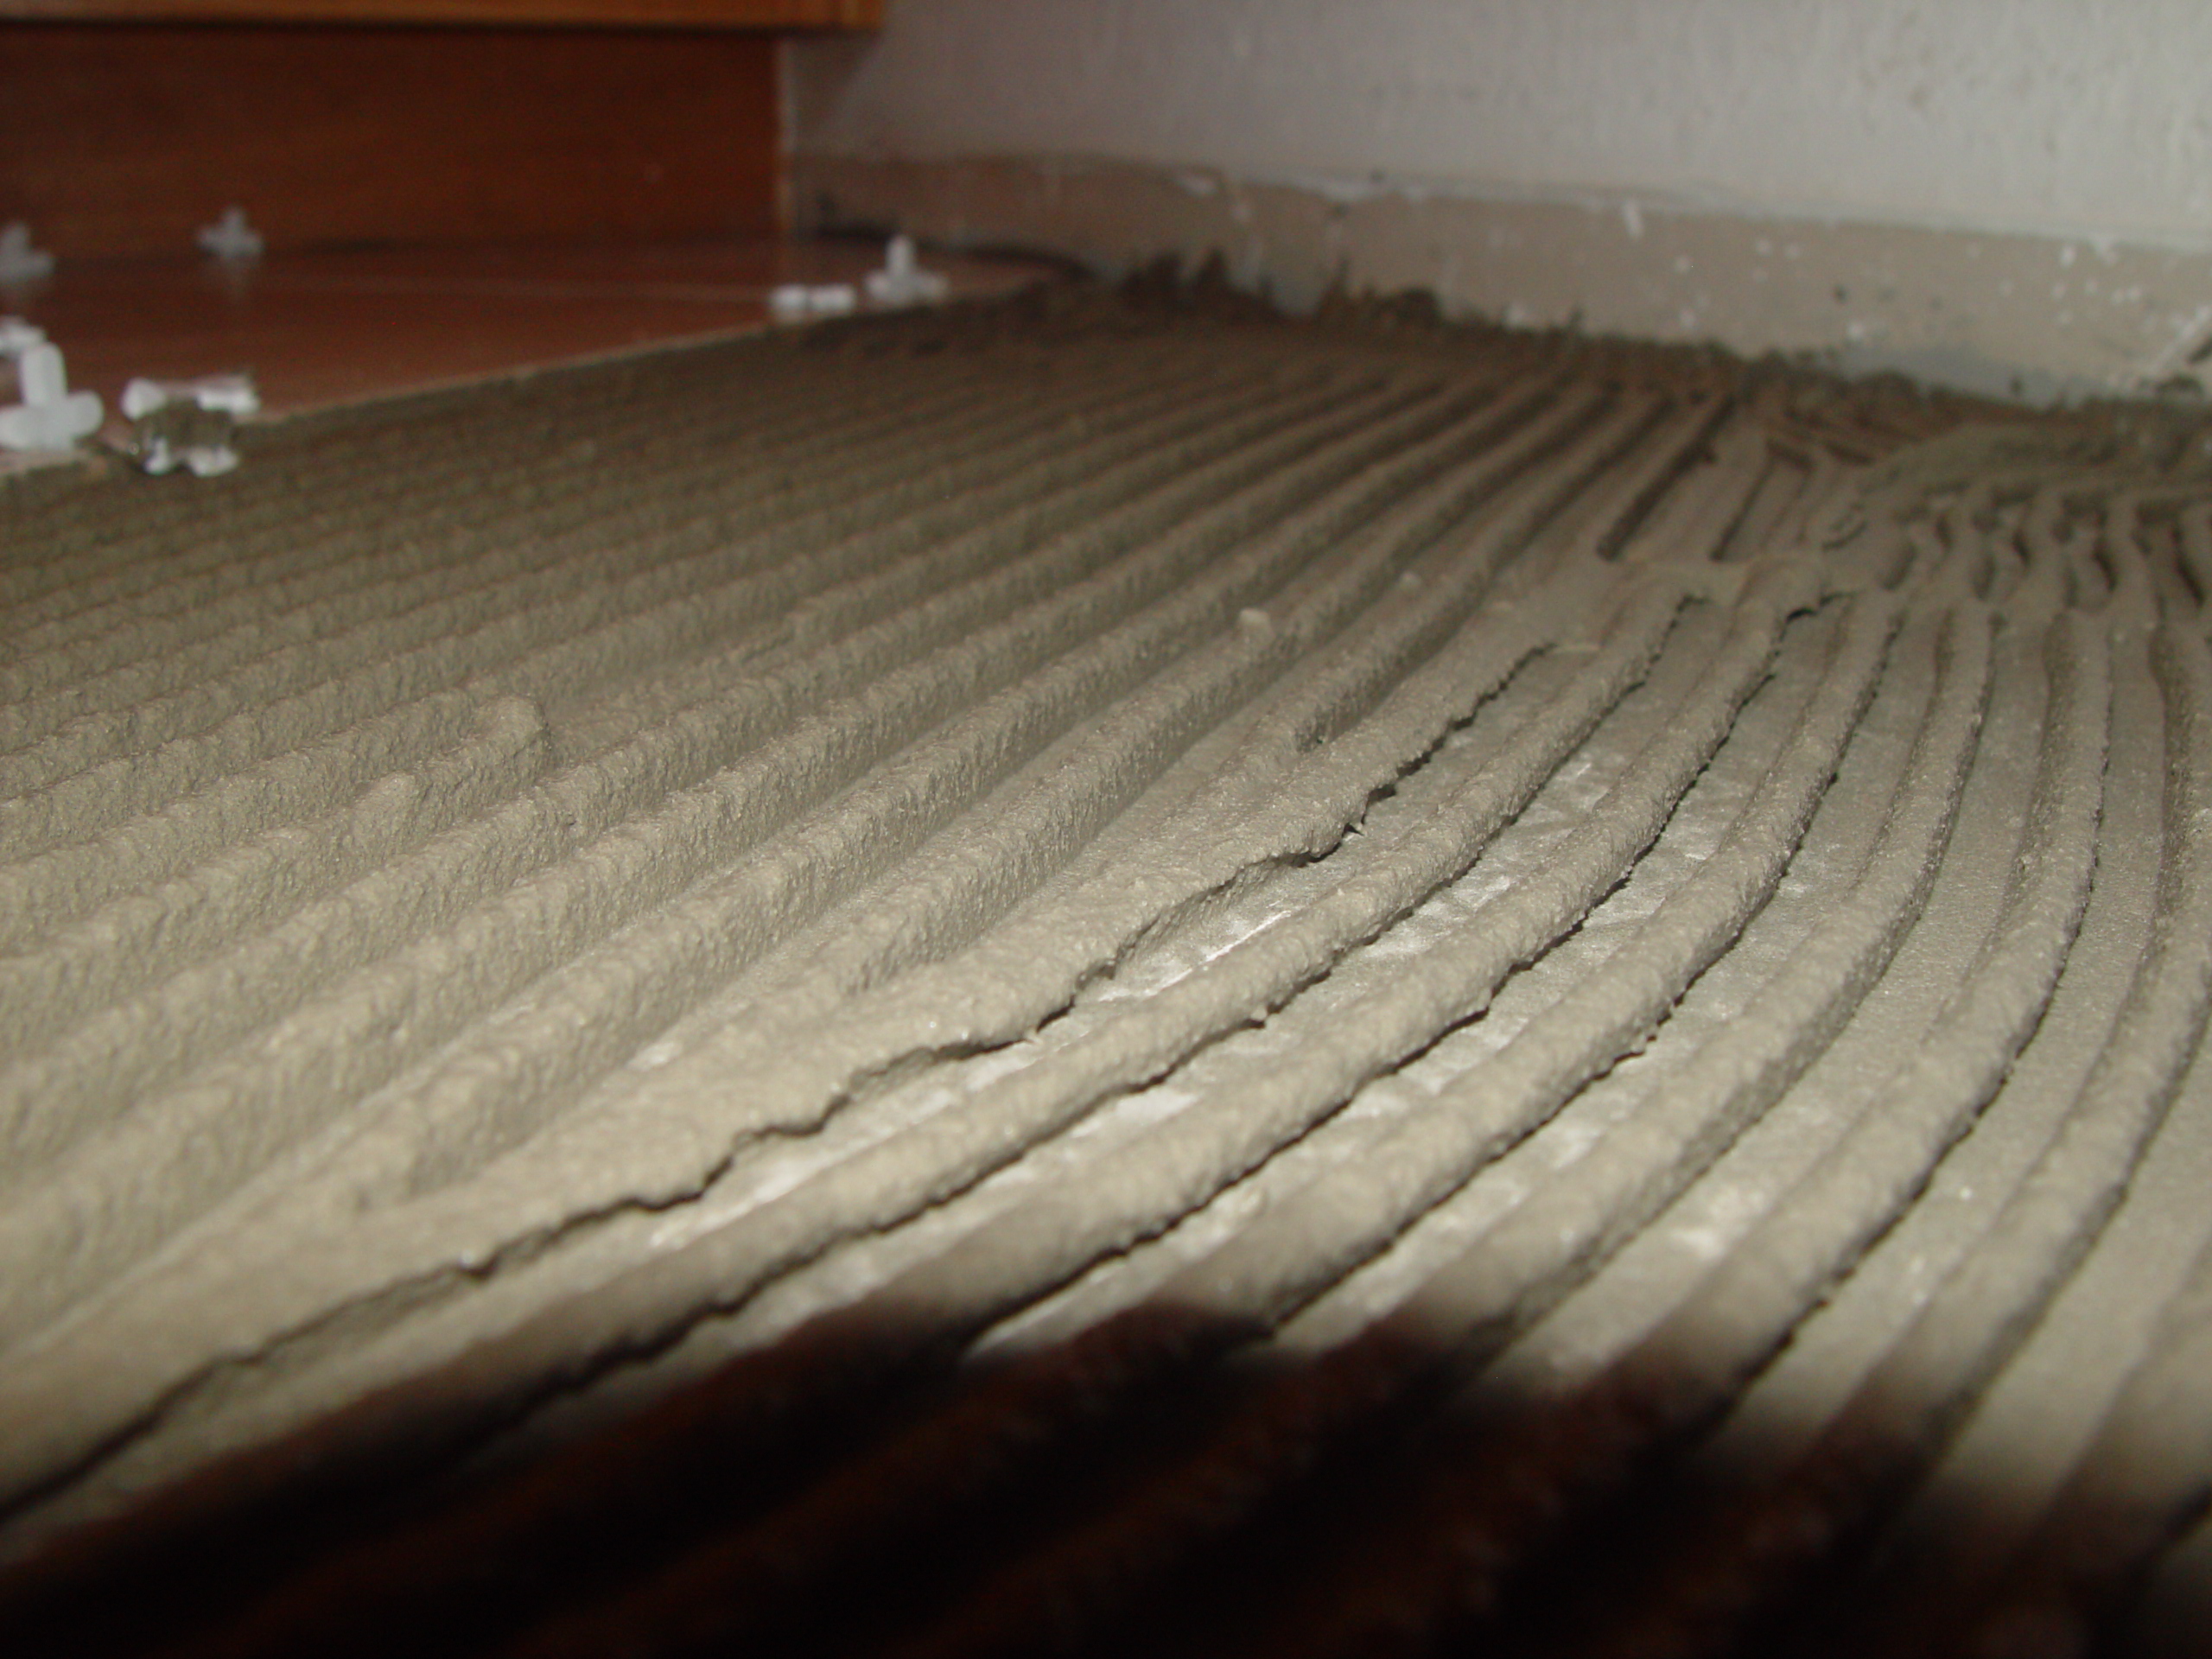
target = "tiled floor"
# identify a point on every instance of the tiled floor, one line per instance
(316, 329)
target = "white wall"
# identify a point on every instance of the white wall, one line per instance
(2083, 118)
(2009, 195)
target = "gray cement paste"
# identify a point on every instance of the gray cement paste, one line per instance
(1107, 966)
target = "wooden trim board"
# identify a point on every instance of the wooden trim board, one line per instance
(685, 14)
(125, 138)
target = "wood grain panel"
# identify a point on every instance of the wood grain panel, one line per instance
(691, 14)
(124, 139)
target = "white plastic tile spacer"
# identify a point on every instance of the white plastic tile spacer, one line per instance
(230, 239)
(50, 415)
(20, 263)
(902, 281)
(796, 301)
(232, 394)
(188, 423)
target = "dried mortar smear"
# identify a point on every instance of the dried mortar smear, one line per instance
(1102, 972)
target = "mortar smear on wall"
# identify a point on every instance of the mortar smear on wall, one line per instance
(2029, 316)
(1978, 193)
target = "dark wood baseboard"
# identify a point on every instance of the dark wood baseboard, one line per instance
(121, 139)
(643, 13)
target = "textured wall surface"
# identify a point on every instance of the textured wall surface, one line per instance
(2079, 117)
(2072, 142)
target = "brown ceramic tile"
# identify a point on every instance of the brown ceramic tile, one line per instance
(316, 329)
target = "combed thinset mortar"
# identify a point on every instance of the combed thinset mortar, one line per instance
(1107, 974)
